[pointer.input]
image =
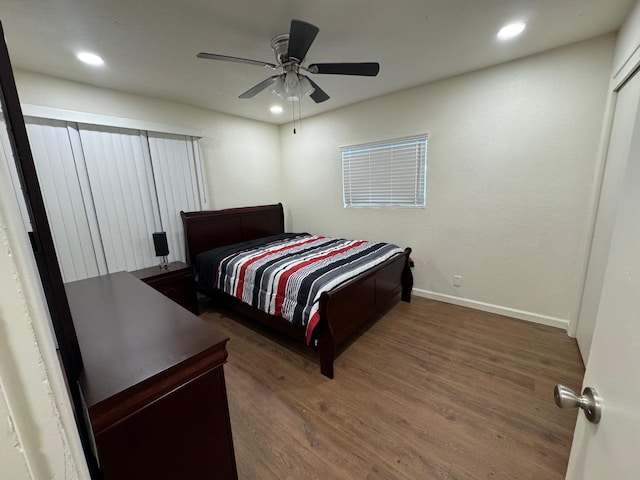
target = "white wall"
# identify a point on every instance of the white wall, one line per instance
(511, 176)
(38, 437)
(241, 157)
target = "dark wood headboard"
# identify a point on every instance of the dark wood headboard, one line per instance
(215, 228)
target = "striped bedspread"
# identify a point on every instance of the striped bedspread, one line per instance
(286, 276)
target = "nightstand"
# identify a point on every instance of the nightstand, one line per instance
(175, 282)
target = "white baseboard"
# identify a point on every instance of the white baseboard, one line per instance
(487, 307)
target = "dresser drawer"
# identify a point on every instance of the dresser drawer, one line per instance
(180, 289)
(176, 283)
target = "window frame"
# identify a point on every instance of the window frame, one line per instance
(411, 194)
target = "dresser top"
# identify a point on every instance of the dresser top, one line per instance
(129, 333)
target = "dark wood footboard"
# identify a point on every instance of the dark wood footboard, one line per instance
(343, 310)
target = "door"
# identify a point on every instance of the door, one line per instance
(619, 144)
(611, 448)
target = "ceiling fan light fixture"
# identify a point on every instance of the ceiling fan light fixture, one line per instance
(305, 86)
(291, 87)
(277, 88)
(291, 84)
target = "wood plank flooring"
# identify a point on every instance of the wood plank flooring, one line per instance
(429, 391)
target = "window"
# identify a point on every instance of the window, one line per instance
(107, 189)
(392, 173)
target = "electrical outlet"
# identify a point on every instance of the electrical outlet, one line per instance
(457, 280)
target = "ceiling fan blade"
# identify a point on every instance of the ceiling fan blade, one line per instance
(225, 58)
(252, 92)
(301, 36)
(367, 69)
(318, 94)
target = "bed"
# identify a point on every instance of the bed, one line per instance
(341, 311)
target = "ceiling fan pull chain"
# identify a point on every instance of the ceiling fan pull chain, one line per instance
(293, 114)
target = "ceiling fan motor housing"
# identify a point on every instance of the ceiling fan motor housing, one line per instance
(280, 46)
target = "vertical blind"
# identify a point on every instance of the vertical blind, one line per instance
(106, 190)
(57, 156)
(117, 162)
(6, 155)
(385, 174)
(176, 166)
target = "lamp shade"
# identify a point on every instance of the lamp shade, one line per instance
(277, 88)
(305, 86)
(291, 84)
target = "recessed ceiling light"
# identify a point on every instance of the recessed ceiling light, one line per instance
(276, 109)
(90, 58)
(510, 31)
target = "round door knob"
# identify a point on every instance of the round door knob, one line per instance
(589, 401)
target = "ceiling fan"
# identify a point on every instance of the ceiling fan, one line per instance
(290, 50)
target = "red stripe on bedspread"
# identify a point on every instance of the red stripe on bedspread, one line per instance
(284, 278)
(248, 263)
(313, 321)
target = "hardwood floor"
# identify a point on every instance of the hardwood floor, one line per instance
(430, 391)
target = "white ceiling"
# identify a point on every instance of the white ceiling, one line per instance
(150, 46)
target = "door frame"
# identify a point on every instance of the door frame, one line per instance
(616, 83)
(43, 249)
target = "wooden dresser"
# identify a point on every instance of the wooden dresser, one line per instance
(153, 383)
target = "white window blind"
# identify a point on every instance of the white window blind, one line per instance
(385, 174)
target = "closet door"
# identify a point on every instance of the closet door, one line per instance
(176, 168)
(123, 194)
(60, 167)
